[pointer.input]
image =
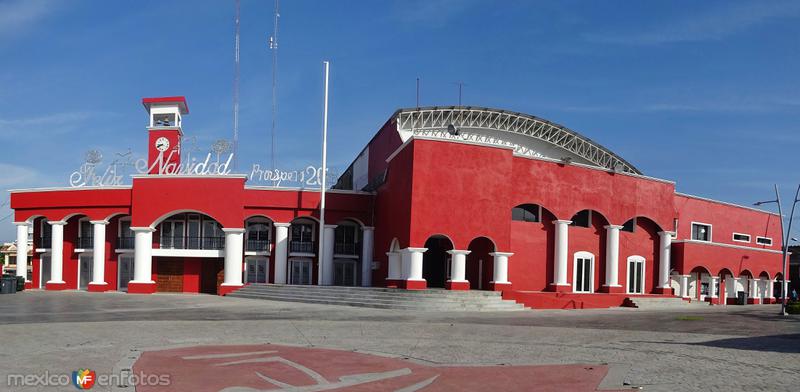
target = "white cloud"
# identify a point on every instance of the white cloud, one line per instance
(19, 176)
(433, 13)
(20, 15)
(714, 25)
(47, 124)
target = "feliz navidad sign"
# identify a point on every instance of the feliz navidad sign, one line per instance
(215, 163)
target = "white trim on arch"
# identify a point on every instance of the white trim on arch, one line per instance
(583, 255)
(642, 280)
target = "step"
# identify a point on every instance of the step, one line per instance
(362, 290)
(382, 298)
(381, 305)
(377, 297)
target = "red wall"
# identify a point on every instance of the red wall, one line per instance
(725, 220)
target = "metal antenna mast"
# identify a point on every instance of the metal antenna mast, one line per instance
(236, 91)
(273, 45)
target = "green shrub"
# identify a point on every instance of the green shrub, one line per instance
(793, 307)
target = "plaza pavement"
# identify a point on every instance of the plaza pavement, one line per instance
(746, 348)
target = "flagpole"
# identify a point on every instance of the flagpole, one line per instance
(321, 272)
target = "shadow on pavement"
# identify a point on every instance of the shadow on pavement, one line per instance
(786, 343)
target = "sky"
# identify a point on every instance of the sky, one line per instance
(706, 94)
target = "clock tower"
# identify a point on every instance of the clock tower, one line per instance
(164, 141)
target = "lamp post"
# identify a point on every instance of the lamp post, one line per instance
(784, 238)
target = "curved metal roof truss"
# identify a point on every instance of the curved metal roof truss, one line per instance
(439, 118)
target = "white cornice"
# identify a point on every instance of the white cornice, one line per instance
(725, 203)
(70, 188)
(726, 245)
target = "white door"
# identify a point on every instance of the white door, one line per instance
(44, 268)
(84, 271)
(256, 270)
(344, 273)
(300, 271)
(125, 271)
(583, 275)
(635, 275)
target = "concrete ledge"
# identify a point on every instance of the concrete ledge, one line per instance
(98, 287)
(141, 288)
(410, 284)
(227, 289)
(559, 288)
(456, 285)
(55, 286)
(497, 286)
(618, 289)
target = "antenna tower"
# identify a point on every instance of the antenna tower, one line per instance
(236, 91)
(273, 45)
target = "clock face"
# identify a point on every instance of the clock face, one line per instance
(162, 144)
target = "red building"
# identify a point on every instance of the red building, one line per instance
(462, 198)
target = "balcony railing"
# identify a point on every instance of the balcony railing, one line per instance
(257, 246)
(125, 243)
(85, 242)
(302, 246)
(44, 242)
(212, 243)
(345, 248)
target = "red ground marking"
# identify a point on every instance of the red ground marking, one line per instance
(273, 367)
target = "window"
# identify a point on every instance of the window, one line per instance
(125, 236)
(582, 219)
(629, 226)
(526, 213)
(701, 232)
(302, 232)
(345, 240)
(764, 241)
(739, 237)
(257, 236)
(85, 234)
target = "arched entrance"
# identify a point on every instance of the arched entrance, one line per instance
(480, 265)
(435, 261)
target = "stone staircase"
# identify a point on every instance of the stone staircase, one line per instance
(435, 300)
(649, 303)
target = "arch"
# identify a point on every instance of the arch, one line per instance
(763, 274)
(72, 215)
(116, 214)
(258, 232)
(701, 269)
(435, 260)
(163, 217)
(634, 221)
(351, 219)
(32, 219)
(394, 246)
(311, 217)
(258, 215)
(480, 264)
(725, 271)
(745, 272)
(586, 216)
(527, 212)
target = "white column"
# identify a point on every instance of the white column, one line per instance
(770, 287)
(57, 252)
(367, 235)
(143, 255)
(395, 266)
(664, 258)
(612, 256)
(412, 263)
(458, 265)
(753, 289)
(326, 259)
(281, 248)
(560, 254)
(234, 247)
(712, 286)
(500, 275)
(99, 252)
(22, 249)
(685, 286)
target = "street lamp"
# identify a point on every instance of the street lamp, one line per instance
(784, 238)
